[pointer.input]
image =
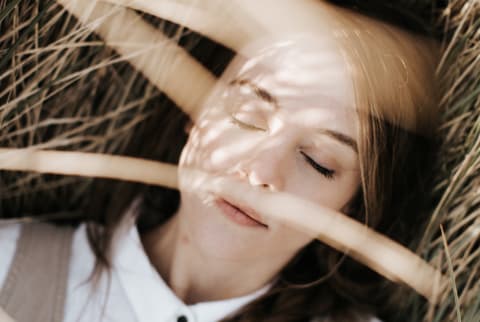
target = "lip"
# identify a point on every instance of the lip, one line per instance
(240, 214)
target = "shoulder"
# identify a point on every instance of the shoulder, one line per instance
(39, 235)
(9, 233)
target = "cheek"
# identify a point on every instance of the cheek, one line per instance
(333, 194)
(203, 140)
(216, 146)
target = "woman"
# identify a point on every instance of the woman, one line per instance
(336, 118)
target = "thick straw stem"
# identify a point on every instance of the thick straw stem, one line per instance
(89, 165)
(381, 254)
(341, 232)
(169, 67)
(217, 20)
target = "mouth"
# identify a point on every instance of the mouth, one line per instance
(239, 214)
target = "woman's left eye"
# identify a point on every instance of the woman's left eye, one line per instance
(327, 173)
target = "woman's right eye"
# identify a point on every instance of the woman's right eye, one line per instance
(247, 122)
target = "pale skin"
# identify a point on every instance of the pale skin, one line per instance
(284, 121)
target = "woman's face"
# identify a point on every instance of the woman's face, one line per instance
(282, 120)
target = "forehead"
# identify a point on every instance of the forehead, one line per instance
(299, 66)
(305, 74)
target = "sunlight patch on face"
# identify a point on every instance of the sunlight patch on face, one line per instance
(304, 71)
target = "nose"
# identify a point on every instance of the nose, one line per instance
(265, 168)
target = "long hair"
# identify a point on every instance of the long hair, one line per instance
(395, 154)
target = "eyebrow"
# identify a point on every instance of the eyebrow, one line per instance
(342, 138)
(259, 91)
(266, 96)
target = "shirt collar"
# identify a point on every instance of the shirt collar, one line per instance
(151, 298)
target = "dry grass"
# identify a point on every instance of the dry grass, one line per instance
(53, 95)
(53, 73)
(458, 175)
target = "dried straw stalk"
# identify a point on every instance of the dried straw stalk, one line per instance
(338, 230)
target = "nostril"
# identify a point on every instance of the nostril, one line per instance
(262, 181)
(266, 186)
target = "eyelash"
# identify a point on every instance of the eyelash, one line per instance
(243, 125)
(327, 173)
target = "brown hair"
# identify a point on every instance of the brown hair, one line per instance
(395, 151)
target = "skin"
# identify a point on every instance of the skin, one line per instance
(277, 109)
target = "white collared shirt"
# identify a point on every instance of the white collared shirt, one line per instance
(134, 292)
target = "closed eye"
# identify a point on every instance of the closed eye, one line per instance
(244, 125)
(327, 173)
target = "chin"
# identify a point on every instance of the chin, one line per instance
(216, 236)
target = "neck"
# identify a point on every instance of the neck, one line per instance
(191, 274)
